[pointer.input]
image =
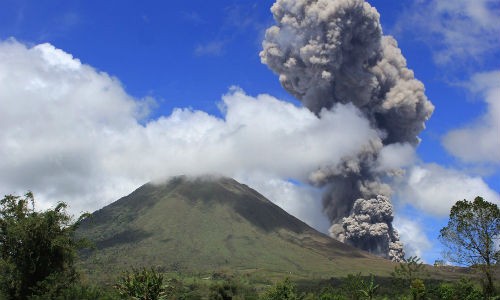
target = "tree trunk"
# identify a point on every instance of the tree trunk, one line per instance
(489, 289)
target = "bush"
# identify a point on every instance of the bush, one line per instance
(223, 291)
(330, 294)
(142, 285)
(77, 291)
(409, 270)
(463, 289)
(369, 289)
(284, 290)
(352, 286)
(417, 288)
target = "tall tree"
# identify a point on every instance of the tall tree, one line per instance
(471, 236)
(35, 246)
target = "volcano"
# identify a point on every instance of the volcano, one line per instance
(204, 224)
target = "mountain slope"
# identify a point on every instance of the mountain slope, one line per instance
(205, 224)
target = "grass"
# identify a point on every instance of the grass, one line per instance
(198, 226)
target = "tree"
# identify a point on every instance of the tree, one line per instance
(37, 248)
(284, 290)
(471, 235)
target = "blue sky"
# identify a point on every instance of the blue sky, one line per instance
(163, 55)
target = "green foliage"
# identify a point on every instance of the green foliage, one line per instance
(417, 288)
(409, 270)
(445, 291)
(352, 286)
(463, 289)
(369, 289)
(331, 297)
(52, 286)
(284, 290)
(142, 285)
(355, 287)
(35, 247)
(77, 291)
(225, 290)
(179, 290)
(231, 289)
(151, 224)
(471, 235)
(330, 294)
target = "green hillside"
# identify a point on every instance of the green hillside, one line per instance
(202, 225)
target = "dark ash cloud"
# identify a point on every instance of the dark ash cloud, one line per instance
(331, 52)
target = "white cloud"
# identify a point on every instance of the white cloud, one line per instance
(55, 115)
(435, 189)
(257, 134)
(70, 133)
(57, 58)
(480, 141)
(413, 237)
(459, 29)
(396, 156)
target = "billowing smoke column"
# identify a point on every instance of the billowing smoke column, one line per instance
(333, 51)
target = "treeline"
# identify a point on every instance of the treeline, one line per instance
(38, 250)
(136, 284)
(148, 284)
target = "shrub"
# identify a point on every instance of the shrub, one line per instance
(223, 291)
(369, 289)
(417, 288)
(284, 290)
(465, 289)
(330, 293)
(352, 286)
(77, 291)
(142, 285)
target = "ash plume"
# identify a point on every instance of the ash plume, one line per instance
(332, 52)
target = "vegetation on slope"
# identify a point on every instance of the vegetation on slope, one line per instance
(201, 225)
(38, 251)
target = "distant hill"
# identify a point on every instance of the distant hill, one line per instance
(196, 225)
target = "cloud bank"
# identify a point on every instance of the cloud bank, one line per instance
(72, 133)
(479, 142)
(435, 189)
(415, 241)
